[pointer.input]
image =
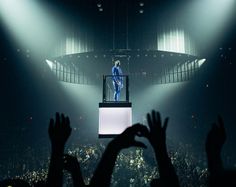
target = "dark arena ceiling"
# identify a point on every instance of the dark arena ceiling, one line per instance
(140, 33)
(148, 36)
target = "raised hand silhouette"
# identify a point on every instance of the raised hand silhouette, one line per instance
(157, 138)
(59, 131)
(215, 138)
(103, 172)
(218, 175)
(214, 142)
(127, 138)
(157, 133)
(72, 165)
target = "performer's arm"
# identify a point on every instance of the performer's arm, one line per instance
(103, 172)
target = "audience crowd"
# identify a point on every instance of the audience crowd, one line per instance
(127, 160)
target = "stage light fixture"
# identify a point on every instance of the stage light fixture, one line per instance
(50, 63)
(201, 62)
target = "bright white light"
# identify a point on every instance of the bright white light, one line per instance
(155, 96)
(74, 43)
(201, 61)
(50, 63)
(208, 19)
(83, 96)
(174, 40)
(114, 120)
(29, 23)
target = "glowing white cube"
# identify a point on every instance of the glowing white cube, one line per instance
(114, 119)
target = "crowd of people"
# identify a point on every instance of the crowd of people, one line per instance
(77, 166)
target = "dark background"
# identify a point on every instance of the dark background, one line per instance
(30, 94)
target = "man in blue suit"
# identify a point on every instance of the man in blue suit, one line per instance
(117, 80)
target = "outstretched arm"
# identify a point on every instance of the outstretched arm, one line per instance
(71, 164)
(157, 138)
(103, 172)
(59, 131)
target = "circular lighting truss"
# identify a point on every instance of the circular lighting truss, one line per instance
(150, 66)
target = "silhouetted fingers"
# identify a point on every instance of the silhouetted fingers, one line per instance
(63, 120)
(57, 119)
(154, 119)
(150, 123)
(158, 119)
(165, 124)
(222, 128)
(68, 121)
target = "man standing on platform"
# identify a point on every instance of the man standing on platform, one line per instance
(117, 80)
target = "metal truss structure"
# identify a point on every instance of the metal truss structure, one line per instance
(146, 66)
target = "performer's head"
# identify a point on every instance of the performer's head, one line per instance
(117, 63)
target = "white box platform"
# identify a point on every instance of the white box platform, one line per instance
(114, 118)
